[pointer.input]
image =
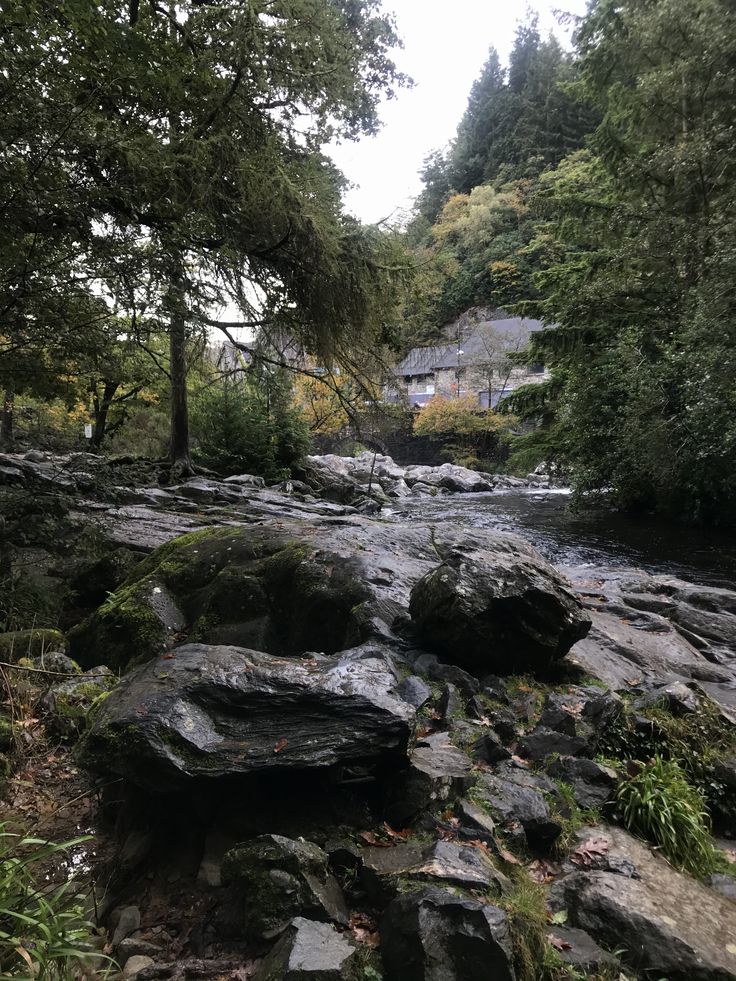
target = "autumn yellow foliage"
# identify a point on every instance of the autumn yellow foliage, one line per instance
(458, 417)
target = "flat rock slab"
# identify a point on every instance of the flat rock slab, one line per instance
(442, 863)
(666, 922)
(213, 711)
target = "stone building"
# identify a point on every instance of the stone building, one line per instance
(477, 361)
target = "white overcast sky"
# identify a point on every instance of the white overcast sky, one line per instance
(446, 43)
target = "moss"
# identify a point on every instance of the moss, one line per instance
(7, 737)
(30, 643)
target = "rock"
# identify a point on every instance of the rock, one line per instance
(134, 965)
(246, 480)
(128, 921)
(508, 611)
(676, 697)
(136, 947)
(593, 785)
(475, 817)
(724, 884)
(414, 691)
(310, 951)
(434, 935)
(214, 711)
(31, 643)
(516, 796)
(495, 688)
(437, 771)
(441, 863)
(435, 670)
(56, 663)
(542, 743)
(273, 879)
(664, 922)
(490, 749)
(580, 951)
(450, 704)
(70, 703)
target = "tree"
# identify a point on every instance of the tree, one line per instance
(639, 244)
(195, 153)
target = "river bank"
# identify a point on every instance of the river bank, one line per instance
(398, 730)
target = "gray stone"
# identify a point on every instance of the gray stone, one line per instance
(724, 884)
(434, 935)
(128, 921)
(275, 879)
(213, 711)
(516, 796)
(134, 965)
(579, 950)
(593, 785)
(542, 743)
(490, 749)
(503, 609)
(136, 947)
(310, 951)
(414, 691)
(666, 923)
(437, 772)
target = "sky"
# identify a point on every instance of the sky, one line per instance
(446, 44)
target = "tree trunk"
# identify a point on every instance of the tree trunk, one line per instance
(101, 411)
(6, 422)
(179, 456)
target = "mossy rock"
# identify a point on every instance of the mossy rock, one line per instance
(259, 588)
(73, 705)
(33, 643)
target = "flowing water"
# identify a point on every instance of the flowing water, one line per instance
(580, 540)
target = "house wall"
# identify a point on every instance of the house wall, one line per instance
(473, 380)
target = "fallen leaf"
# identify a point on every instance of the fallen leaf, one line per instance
(590, 851)
(370, 839)
(508, 856)
(574, 709)
(521, 762)
(632, 681)
(559, 917)
(365, 929)
(280, 745)
(168, 657)
(541, 871)
(557, 943)
(396, 835)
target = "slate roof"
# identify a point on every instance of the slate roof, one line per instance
(427, 360)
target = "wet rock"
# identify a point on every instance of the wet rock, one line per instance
(495, 688)
(69, 704)
(437, 772)
(134, 965)
(434, 669)
(664, 922)
(215, 711)
(310, 951)
(593, 785)
(56, 663)
(724, 884)
(580, 951)
(434, 935)
(126, 920)
(273, 879)
(542, 743)
(441, 863)
(414, 691)
(136, 947)
(676, 697)
(450, 703)
(490, 749)
(515, 795)
(506, 609)
(246, 480)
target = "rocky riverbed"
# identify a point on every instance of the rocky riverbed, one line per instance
(335, 744)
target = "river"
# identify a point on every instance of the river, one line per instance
(589, 539)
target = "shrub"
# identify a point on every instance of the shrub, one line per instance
(658, 804)
(249, 426)
(44, 935)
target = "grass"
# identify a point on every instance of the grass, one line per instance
(44, 934)
(571, 816)
(658, 804)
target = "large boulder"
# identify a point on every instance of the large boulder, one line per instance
(208, 712)
(291, 587)
(435, 935)
(272, 879)
(664, 922)
(506, 610)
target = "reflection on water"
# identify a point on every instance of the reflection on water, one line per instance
(585, 539)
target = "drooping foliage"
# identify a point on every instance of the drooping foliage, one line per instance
(165, 158)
